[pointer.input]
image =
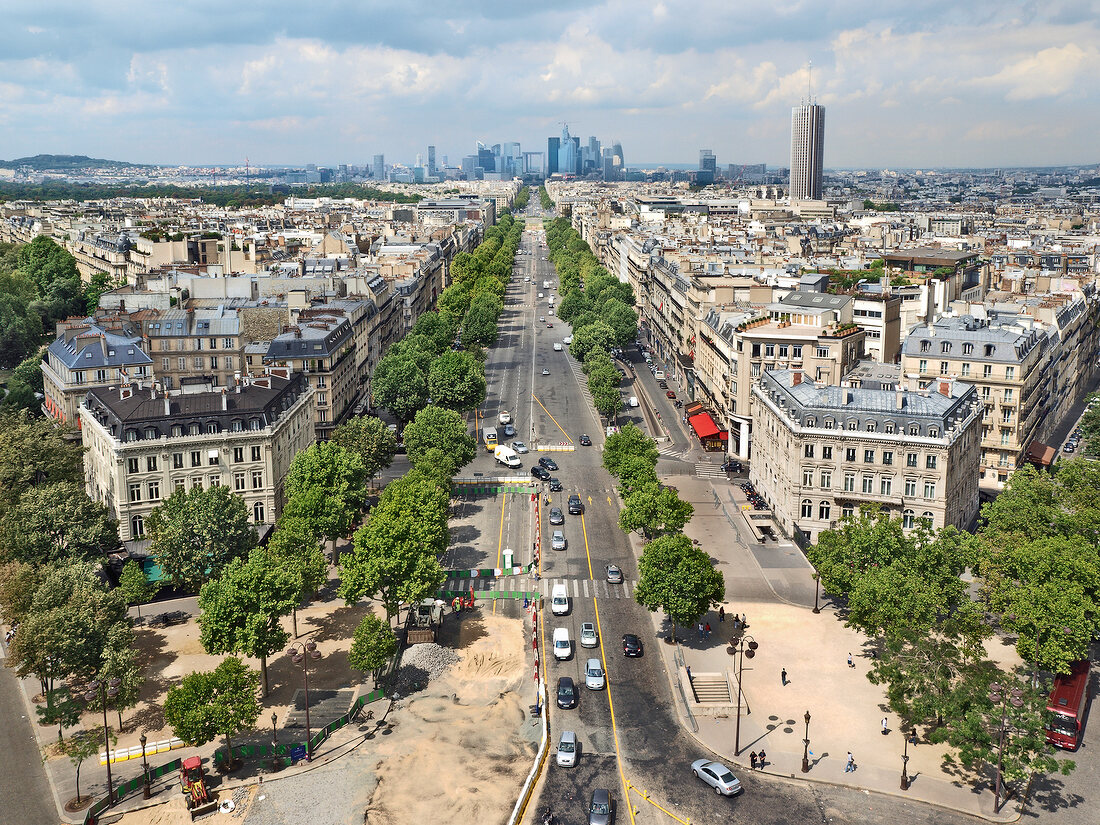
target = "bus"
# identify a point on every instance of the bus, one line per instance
(1066, 707)
(490, 434)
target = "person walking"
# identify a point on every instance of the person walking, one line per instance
(763, 759)
(721, 613)
(783, 676)
(885, 726)
(752, 760)
(850, 765)
(700, 631)
(744, 621)
(850, 662)
(707, 631)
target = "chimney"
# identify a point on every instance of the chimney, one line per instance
(225, 400)
(946, 385)
(913, 379)
(796, 378)
(899, 397)
(167, 405)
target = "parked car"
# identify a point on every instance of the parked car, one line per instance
(540, 473)
(614, 574)
(567, 744)
(670, 394)
(567, 693)
(594, 678)
(663, 385)
(575, 505)
(548, 463)
(601, 809)
(718, 776)
(589, 637)
(585, 440)
(556, 516)
(632, 645)
(519, 447)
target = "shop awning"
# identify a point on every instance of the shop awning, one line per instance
(703, 425)
(1040, 454)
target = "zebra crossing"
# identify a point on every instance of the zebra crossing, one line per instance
(704, 469)
(579, 588)
(669, 450)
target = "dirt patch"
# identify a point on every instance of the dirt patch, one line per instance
(455, 748)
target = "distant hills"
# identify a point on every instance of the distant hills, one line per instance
(44, 163)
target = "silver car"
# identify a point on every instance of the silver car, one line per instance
(519, 447)
(567, 749)
(718, 776)
(588, 635)
(593, 676)
(557, 541)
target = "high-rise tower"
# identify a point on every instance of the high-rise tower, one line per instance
(807, 151)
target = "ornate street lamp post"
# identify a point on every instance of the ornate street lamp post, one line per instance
(806, 746)
(998, 696)
(741, 647)
(308, 650)
(147, 791)
(905, 763)
(104, 691)
(817, 591)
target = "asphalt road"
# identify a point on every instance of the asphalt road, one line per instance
(25, 795)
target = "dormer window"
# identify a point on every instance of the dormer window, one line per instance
(925, 345)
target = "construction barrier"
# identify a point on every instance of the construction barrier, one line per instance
(561, 447)
(124, 754)
(490, 572)
(447, 595)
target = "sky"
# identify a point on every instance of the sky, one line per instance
(916, 83)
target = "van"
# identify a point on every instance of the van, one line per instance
(562, 646)
(559, 600)
(540, 294)
(557, 347)
(507, 456)
(659, 375)
(633, 401)
(545, 284)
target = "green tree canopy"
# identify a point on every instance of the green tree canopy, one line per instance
(597, 334)
(135, 585)
(400, 383)
(372, 647)
(58, 522)
(370, 439)
(439, 437)
(326, 487)
(678, 578)
(628, 442)
(295, 549)
(194, 535)
(34, 452)
(456, 381)
(653, 509)
(221, 702)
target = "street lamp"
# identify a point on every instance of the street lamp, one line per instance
(998, 696)
(274, 730)
(741, 647)
(806, 746)
(905, 763)
(817, 591)
(147, 792)
(301, 657)
(104, 691)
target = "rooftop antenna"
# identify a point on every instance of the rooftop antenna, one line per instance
(809, 82)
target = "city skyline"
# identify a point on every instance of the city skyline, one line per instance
(929, 87)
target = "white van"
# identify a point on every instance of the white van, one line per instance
(659, 375)
(557, 347)
(559, 601)
(634, 401)
(562, 646)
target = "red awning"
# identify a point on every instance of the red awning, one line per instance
(703, 425)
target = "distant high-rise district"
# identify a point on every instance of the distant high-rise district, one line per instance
(807, 151)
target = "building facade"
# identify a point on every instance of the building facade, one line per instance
(141, 444)
(807, 151)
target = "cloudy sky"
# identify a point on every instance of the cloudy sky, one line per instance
(906, 83)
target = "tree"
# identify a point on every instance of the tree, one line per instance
(634, 472)
(572, 305)
(370, 439)
(295, 548)
(84, 744)
(843, 555)
(18, 581)
(60, 709)
(439, 435)
(34, 452)
(456, 381)
(480, 325)
(597, 334)
(373, 645)
(622, 318)
(58, 522)
(326, 487)
(194, 534)
(240, 610)
(678, 578)
(400, 384)
(135, 585)
(607, 401)
(654, 509)
(218, 703)
(628, 442)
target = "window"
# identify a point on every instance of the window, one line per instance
(870, 426)
(868, 484)
(177, 431)
(925, 345)
(784, 350)
(78, 377)
(1010, 373)
(131, 465)
(907, 519)
(131, 435)
(796, 352)
(868, 456)
(769, 350)
(923, 365)
(807, 508)
(849, 482)
(177, 461)
(257, 479)
(929, 489)
(137, 527)
(196, 458)
(151, 463)
(1006, 436)
(968, 349)
(987, 371)
(887, 456)
(808, 450)
(830, 424)
(322, 398)
(254, 423)
(965, 368)
(154, 490)
(827, 453)
(910, 486)
(215, 481)
(1009, 396)
(943, 367)
(945, 347)
(164, 362)
(853, 424)
(238, 481)
(212, 458)
(985, 392)
(754, 370)
(850, 454)
(989, 350)
(930, 462)
(193, 429)
(238, 455)
(197, 361)
(889, 428)
(213, 362)
(914, 429)
(213, 343)
(258, 512)
(227, 343)
(826, 479)
(181, 484)
(928, 517)
(182, 362)
(255, 453)
(847, 511)
(807, 478)
(884, 486)
(135, 492)
(211, 428)
(822, 352)
(823, 511)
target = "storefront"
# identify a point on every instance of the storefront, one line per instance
(712, 439)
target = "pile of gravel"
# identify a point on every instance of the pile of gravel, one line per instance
(419, 665)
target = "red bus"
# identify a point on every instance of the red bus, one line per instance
(1066, 707)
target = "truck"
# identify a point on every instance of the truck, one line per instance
(490, 436)
(424, 618)
(506, 456)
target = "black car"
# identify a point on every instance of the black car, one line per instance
(556, 516)
(663, 385)
(509, 430)
(548, 463)
(632, 645)
(540, 473)
(555, 485)
(734, 467)
(575, 506)
(567, 692)
(586, 441)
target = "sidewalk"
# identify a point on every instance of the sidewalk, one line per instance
(772, 585)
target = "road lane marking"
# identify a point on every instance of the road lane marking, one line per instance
(586, 588)
(556, 424)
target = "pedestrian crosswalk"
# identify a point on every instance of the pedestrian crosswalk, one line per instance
(704, 469)
(578, 588)
(669, 450)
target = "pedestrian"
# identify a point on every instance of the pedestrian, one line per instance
(850, 765)
(688, 669)
(885, 726)
(744, 621)
(850, 662)
(763, 759)
(752, 760)
(722, 614)
(783, 676)
(700, 631)
(708, 630)
(913, 737)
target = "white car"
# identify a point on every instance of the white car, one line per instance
(557, 347)
(568, 340)
(563, 648)
(542, 318)
(557, 540)
(593, 675)
(526, 278)
(718, 776)
(545, 371)
(588, 635)
(567, 749)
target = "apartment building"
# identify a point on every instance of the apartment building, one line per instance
(1008, 365)
(142, 444)
(822, 452)
(186, 343)
(88, 353)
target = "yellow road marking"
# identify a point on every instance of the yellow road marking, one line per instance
(500, 539)
(556, 424)
(647, 798)
(607, 683)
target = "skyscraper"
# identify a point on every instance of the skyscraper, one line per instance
(707, 161)
(379, 168)
(431, 160)
(552, 146)
(807, 151)
(567, 153)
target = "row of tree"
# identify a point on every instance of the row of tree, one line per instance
(544, 199)
(523, 197)
(675, 576)
(1036, 565)
(603, 382)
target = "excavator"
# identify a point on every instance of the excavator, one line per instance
(193, 783)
